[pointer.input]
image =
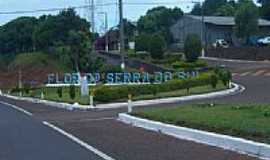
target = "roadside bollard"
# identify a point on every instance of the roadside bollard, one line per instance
(1, 93)
(42, 95)
(230, 84)
(91, 101)
(130, 105)
(92, 98)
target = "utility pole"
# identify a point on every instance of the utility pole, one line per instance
(93, 16)
(122, 38)
(203, 37)
(106, 30)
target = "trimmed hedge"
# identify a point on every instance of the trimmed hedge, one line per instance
(112, 93)
(189, 65)
(115, 93)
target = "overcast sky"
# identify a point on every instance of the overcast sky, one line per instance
(132, 12)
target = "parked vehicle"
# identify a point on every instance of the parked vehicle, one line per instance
(221, 43)
(264, 41)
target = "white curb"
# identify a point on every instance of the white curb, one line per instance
(51, 103)
(239, 145)
(235, 90)
(232, 60)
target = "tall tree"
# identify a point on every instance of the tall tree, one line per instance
(197, 9)
(159, 20)
(54, 30)
(246, 19)
(16, 36)
(226, 10)
(130, 29)
(265, 8)
(215, 8)
(211, 6)
(79, 45)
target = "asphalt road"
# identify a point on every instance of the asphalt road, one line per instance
(26, 137)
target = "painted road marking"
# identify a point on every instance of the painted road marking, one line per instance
(80, 142)
(267, 74)
(99, 119)
(17, 108)
(259, 72)
(244, 74)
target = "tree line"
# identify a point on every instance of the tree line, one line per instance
(66, 35)
(229, 8)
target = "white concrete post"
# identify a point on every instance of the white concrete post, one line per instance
(91, 101)
(1, 93)
(130, 104)
(230, 84)
(203, 53)
(42, 95)
(92, 98)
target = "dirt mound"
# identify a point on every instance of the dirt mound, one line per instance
(34, 69)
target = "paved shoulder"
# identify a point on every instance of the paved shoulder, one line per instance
(23, 138)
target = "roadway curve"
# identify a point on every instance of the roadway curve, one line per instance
(25, 138)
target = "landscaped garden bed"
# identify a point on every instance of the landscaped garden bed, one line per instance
(204, 83)
(246, 121)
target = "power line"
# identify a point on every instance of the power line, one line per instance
(158, 3)
(98, 5)
(53, 9)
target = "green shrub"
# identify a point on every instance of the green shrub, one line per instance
(72, 91)
(156, 46)
(141, 42)
(193, 47)
(60, 92)
(140, 55)
(226, 77)
(112, 93)
(189, 65)
(214, 80)
(111, 69)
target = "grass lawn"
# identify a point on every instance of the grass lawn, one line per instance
(247, 121)
(51, 94)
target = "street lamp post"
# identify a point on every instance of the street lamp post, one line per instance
(122, 39)
(106, 31)
(203, 38)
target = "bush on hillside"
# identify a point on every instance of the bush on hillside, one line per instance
(139, 55)
(156, 46)
(224, 75)
(193, 47)
(214, 80)
(72, 92)
(189, 65)
(141, 42)
(60, 92)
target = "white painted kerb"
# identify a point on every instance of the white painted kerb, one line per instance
(236, 89)
(239, 145)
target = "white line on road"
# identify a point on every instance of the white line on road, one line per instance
(99, 119)
(17, 108)
(244, 74)
(259, 72)
(80, 142)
